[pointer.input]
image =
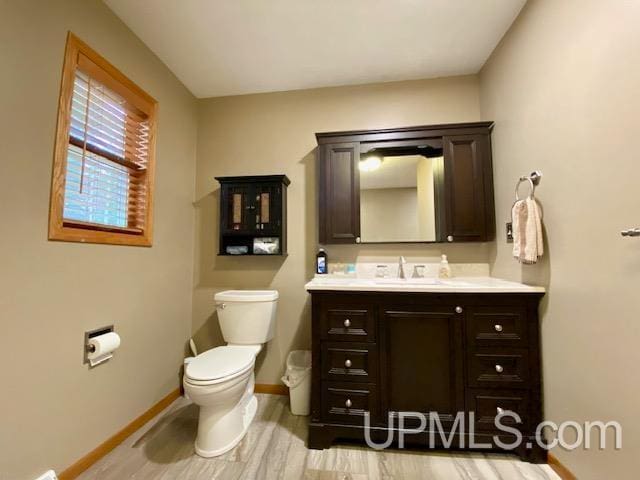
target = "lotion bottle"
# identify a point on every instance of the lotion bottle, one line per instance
(445, 269)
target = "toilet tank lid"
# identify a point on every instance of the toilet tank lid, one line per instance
(247, 296)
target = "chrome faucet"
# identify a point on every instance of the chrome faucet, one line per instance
(401, 263)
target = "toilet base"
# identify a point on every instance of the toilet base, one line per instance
(246, 410)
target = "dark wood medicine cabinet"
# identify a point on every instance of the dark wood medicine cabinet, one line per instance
(253, 215)
(461, 182)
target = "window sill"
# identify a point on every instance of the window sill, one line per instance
(81, 232)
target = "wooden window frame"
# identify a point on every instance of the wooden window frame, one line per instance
(75, 231)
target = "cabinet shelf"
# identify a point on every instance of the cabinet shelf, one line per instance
(263, 233)
(253, 255)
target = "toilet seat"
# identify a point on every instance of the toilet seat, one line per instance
(219, 364)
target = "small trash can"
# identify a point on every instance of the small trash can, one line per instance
(298, 379)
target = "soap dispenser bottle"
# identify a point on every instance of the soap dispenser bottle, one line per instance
(445, 269)
(321, 262)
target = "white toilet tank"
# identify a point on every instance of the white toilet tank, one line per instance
(247, 317)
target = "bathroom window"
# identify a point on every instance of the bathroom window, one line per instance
(103, 171)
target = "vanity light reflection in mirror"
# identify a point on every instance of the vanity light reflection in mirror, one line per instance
(370, 163)
(397, 197)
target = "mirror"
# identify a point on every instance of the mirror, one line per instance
(398, 194)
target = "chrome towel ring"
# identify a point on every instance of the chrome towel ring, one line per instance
(533, 179)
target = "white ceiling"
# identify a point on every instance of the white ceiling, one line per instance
(231, 47)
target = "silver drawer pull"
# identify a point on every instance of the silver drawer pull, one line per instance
(347, 363)
(498, 327)
(499, 369)
(450, 238)
(500, 410)
(459, 309)
(348, 403)
(347, 323)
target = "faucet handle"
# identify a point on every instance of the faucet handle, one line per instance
(418, 271)
(382, 271)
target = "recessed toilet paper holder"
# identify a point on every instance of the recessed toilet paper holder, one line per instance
(91, 334)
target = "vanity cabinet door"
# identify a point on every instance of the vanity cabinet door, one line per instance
(339, 193)
(422, 361)
(468, 192)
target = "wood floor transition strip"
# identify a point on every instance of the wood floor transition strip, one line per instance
(563, 472)
(272, 389)
(101, 450)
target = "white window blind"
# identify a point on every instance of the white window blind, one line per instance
(107, 157)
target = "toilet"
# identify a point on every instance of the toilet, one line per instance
(221, 380)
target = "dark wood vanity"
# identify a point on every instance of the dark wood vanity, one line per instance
(462, 179)
(388, 352)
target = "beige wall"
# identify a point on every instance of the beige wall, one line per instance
(274, 133)
(426, 199)
(389, 214)
(53, 410)
(563, 89)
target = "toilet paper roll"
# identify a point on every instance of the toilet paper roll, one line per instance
(104, 345)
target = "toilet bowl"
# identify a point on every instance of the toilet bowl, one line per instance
(221, 380)
(221, 384)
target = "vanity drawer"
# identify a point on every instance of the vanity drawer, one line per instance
(506, 369)
(353, 325)
(354, 362)
(497, 325)
(348, 402)
(486, 404)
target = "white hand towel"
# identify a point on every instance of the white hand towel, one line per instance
(538, 221)
(519, 222)
(533, 242)
(528, 243)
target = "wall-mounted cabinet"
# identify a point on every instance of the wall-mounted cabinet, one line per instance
(253, 215)
(407, 185)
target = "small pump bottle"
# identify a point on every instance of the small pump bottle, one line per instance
(445, 269)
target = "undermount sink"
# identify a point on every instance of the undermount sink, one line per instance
(454, 282)
(450, 282)
(407, 281)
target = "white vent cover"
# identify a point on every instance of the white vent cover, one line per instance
(50, 475)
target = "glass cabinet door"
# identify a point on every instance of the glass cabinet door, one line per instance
(238, 208)
(267, 202)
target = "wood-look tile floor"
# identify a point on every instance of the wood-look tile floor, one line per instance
(274, 448)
